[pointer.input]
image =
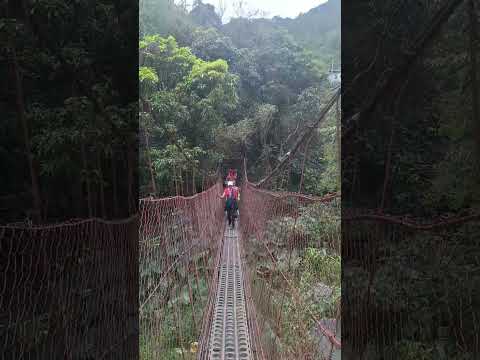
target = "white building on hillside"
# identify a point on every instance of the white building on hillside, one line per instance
(335, 75)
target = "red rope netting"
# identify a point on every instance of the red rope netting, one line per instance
(291, 247)
(180, 238)
(69, 291)
(408, 286)
(63, 287)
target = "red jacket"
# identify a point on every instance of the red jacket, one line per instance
(233, 191)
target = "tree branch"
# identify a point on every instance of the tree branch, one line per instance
(307, 134)
(473, 72)
(425, 37)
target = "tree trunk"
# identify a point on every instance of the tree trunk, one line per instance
(78, 198)
(45, 213)
(175, 180)
(305, 156)
(150, 164)
(182, 185)
(388, 165)
(26, 137)
(355, 161)
(397, 75)
(194, 187)
(289, 156)
(114, 185)
(131, 184)
(94, 191)
(26, 14)
(388, 162)
(102, 187)
(473, 73)
(339, 143)
(87, 179)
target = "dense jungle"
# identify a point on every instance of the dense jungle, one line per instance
(250, 87)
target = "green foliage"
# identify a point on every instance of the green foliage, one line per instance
(170, 318)
(230, 139)
(147, 74)
(413, 350)
(175, 317)
(324, 160)
(168, 161)
(75, 109)
(148, 79)
(425, 275)
(210, 44)
(234, 89)
(321, 222)
(186, 99)
(161, 17)
(171, 62)
(315, 271)
(211, 71)
(433, 149)
(326, 268)
(318, 30)
(320, 269)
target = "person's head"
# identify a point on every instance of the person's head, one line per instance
(230, 183)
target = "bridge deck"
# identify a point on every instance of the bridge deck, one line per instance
(229, 338)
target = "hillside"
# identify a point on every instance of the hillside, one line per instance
(251, 87)
(319, 30)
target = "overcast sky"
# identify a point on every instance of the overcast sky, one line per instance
(283, 8)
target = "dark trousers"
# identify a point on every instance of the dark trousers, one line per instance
(231, 207)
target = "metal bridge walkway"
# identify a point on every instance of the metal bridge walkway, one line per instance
(229, 338)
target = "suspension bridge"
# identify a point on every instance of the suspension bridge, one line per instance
(250, 307)
(192, 288)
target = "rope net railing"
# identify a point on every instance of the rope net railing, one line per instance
(69, 291)
(410, 287)
(180, 239)
(291, 254)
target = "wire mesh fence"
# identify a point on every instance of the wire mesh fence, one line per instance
(69, 291)
(291, 250)
(180, 238)
(410, 287)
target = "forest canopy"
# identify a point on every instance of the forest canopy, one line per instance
(69, 101)
(249, 88)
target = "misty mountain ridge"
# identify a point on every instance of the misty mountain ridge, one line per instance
(317, 30)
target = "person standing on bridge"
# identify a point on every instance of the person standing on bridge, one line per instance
(232, 194)
(232, 175)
